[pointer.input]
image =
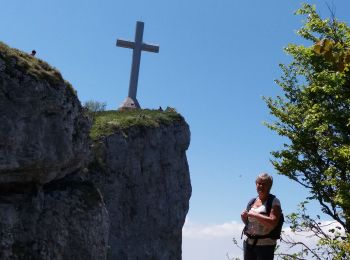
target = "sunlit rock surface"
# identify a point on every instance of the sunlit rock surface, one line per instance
(43, 132)
(143, 175)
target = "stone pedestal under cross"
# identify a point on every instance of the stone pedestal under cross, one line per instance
(137, 46)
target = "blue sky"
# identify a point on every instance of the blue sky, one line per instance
(217, 59)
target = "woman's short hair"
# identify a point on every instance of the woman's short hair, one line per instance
(265, 177)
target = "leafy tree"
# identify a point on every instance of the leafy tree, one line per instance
(314, 114)
(95, 106)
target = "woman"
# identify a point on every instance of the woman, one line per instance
(259, 244)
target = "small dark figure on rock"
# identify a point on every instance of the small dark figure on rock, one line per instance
(33, 53)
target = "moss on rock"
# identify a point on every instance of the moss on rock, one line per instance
(107, 122)
(37, 68)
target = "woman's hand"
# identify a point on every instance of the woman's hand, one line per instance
(244, 216)
(252, 214)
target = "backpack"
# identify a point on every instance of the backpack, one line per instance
(276, 231)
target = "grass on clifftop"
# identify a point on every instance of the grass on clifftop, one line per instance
(107, 122)
(31, 65)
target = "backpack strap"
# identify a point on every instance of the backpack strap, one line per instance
(250, 204)
(269, 202)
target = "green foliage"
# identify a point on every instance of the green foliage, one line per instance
(108, 122)
(40, 70)
(332, 240)
(314, 114)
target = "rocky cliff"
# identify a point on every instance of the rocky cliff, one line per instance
(143, 175)
(118, 190)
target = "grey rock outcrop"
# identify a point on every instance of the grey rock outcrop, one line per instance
(43, 132)
(46, 211)
(65, 219)
(143, 175)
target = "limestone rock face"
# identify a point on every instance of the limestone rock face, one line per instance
(64, 219)
(43, 132)
(143, 175)
(47, 212)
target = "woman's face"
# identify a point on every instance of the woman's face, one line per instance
(262, 187)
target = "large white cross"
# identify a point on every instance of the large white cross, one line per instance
(137, 46)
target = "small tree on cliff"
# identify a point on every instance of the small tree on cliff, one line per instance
(95, 106)
(314, 114)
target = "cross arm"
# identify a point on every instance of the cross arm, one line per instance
(125, 44)
(150, 48)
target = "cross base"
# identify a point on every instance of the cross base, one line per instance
(129, 103)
